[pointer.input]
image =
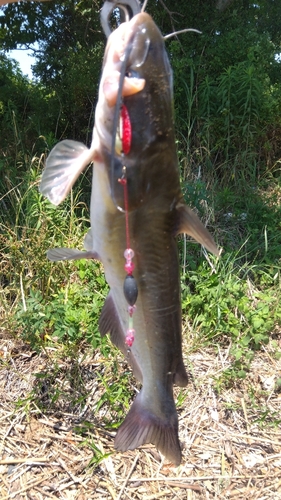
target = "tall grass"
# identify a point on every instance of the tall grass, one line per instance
(234, 300)
(38, 298)
(223, 124)
(226, 124)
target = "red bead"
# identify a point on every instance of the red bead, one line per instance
(122, 181)
(131, 310)
(129, 266)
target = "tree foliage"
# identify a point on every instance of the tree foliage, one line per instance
(69, 49)
(227, 80)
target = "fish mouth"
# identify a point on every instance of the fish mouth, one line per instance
(137, 76)
(130, 44)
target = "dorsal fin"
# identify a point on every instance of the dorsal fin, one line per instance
(188, 222)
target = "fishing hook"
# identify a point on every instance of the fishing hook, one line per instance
(129, 7)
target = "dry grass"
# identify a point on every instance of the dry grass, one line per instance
(231, 440)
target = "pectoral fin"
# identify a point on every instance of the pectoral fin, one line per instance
(188, 222)
(64, 164)
(56, 254)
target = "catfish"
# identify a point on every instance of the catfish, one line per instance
(156, 214)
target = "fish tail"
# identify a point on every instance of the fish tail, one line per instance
(142, 426)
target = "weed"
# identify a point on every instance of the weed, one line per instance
(70, 314)
(236, 301)
(116, 396)
(231, 305)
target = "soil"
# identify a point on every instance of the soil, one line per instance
(55, 446)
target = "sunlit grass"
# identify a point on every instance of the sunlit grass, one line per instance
(231, 300)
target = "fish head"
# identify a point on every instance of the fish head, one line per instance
(137, 49)
(151, 111)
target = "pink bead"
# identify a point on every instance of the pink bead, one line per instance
(131, 310)
(129, 254)
(130, 337)
(129, 266)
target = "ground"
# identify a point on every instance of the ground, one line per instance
(51, 448)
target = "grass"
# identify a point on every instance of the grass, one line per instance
(64, 375)
(234, 299)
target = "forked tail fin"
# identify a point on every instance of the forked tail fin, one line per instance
(142, 426)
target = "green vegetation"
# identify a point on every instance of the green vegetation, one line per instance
(227, 102)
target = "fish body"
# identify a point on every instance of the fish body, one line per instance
(156, 214)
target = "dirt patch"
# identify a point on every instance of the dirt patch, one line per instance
(53, 442)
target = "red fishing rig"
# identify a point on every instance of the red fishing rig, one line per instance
(120, 147)
(121, 139)
(130, 286)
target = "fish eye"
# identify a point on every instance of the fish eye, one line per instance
(132, 74)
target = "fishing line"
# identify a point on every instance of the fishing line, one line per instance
(123, 181)
(130, 288)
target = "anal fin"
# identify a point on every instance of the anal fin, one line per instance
(109, 322)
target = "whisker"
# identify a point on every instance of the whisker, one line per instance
(144, 5)
(181, 31)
